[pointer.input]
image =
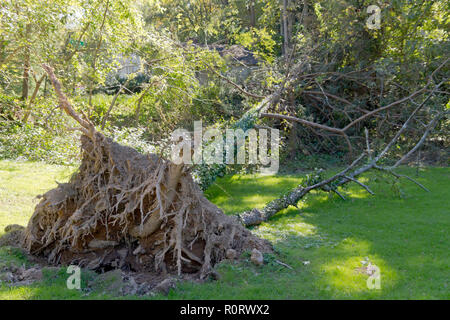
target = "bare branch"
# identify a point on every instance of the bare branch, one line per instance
(429, 128)
(113, 102)
(302, 121)
(361, 184)
(87, 126)
(256, 216)
(397, 175)
(236, 85)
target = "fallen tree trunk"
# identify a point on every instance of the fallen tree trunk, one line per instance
(122, 209)
(256, 216)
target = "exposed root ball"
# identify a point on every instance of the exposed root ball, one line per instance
(126, 210)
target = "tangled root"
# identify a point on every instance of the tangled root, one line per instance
(131, 211)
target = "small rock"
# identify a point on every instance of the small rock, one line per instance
(138, 250)
(231, 254)
(165, 286)
(32, 274)
(101, 244)
(214, 275)
(110, 282)
(131, 288)
(7, 277)
(12, 238)
(14, 227)
(21, 283)
(122, 253)
(143, 289)
(19, 273)
(257, 257)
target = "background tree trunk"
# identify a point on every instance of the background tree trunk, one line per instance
(26, 65)
(285, 27)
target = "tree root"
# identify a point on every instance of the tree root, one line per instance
(137, 212)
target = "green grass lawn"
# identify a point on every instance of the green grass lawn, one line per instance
(402, 229)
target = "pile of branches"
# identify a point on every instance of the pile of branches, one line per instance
(123, 209)
(352, 116)
(355, 169)
(326, 108)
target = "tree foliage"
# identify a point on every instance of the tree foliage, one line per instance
(189, 67)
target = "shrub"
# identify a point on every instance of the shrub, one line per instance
(45, 139)
(132, 137)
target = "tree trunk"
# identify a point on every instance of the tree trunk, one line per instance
(252, 13)
(33, 96)
(26, 65)
(285, 28)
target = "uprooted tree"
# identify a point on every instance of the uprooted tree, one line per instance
(125, 209)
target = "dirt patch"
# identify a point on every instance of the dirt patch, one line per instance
(120, 283)
(115, 282)
(20, 276)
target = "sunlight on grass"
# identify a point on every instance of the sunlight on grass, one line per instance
(243, 192)
(347, 275)
(20, 183)
(356, 194)
(16, 293)
(282, 229)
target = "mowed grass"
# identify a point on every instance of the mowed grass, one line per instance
(403, 230)
(20, 183)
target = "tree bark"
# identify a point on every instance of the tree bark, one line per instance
(26, 65)
(33, 96)
(252, 13)
(285, 28)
